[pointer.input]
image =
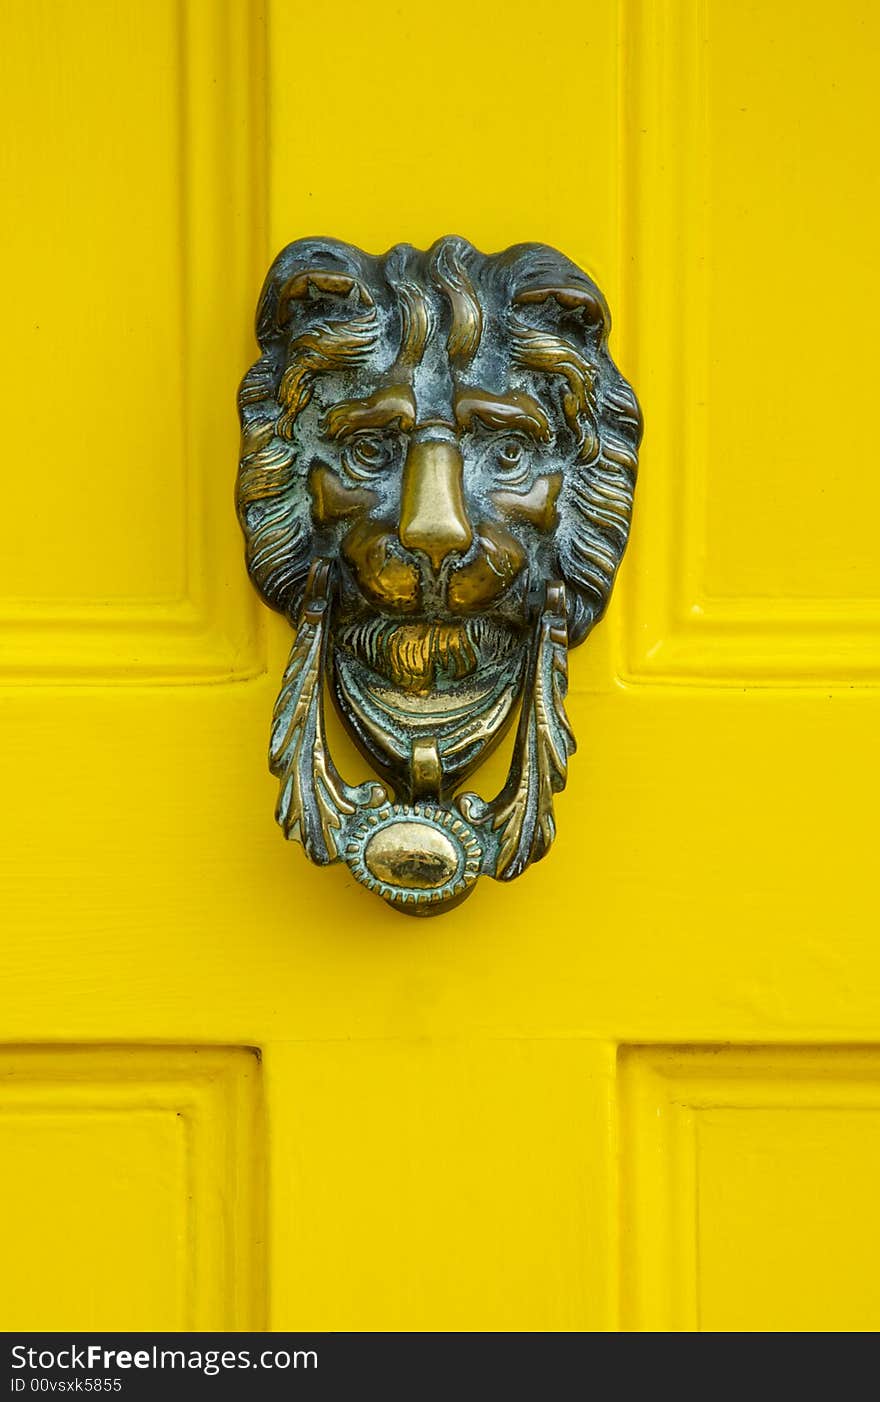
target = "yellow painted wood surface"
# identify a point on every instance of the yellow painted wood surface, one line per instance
(638, 1088)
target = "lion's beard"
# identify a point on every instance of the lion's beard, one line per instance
(418, 655)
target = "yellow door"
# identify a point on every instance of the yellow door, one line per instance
(639, 1088)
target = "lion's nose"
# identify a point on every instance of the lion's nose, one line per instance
(433, 516)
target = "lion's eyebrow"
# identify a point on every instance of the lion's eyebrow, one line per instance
(512, 410)
(393, 402)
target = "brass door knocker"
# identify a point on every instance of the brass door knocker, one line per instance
(436, 482)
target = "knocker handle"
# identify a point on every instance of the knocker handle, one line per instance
(422, 856)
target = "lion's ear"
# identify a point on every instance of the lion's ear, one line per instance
(588, 302)
(309, 279)
(564, 338)
(323, 320)
(318, 284)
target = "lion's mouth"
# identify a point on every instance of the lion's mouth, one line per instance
(453, 683)
(418, 656)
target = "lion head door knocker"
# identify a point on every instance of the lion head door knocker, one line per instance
(436, 482)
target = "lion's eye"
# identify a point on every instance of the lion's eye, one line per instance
(369, 453)
(511, 458)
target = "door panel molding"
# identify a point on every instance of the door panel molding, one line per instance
(748, 1191)
(145, 1163)
(687, 616)
(195, 620)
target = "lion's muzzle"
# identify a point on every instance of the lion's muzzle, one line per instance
(415, 655)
